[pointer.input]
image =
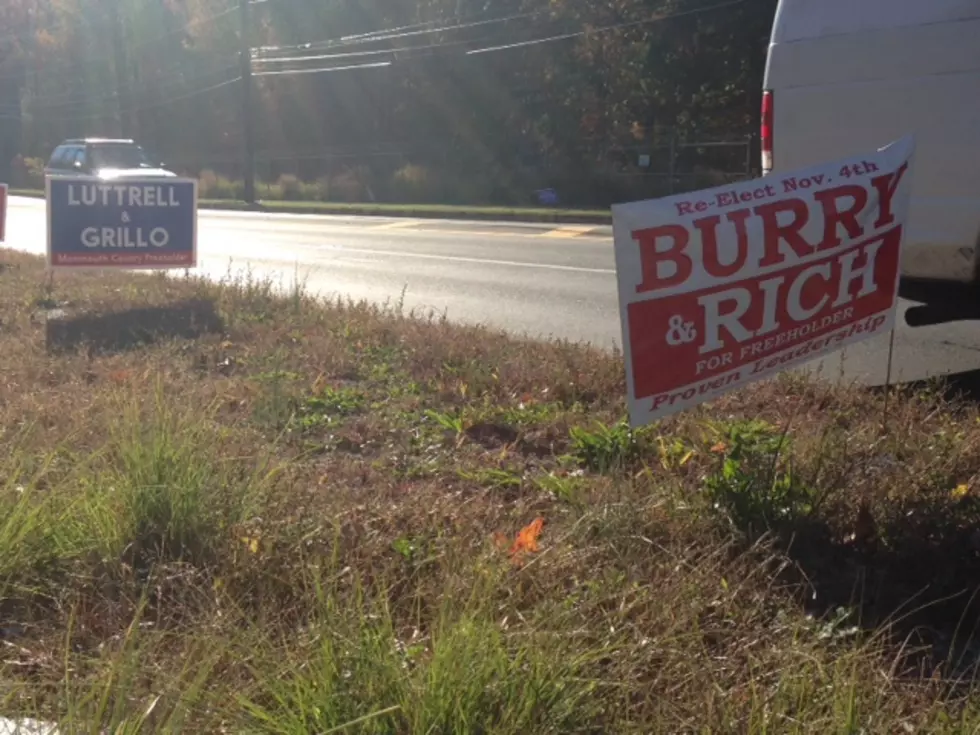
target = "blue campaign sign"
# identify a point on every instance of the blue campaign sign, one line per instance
(127, 223)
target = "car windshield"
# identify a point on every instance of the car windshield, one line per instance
(118, 156)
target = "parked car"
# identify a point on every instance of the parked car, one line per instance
(846, 77)
(104, 159)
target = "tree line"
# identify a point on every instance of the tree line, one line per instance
(430, 100)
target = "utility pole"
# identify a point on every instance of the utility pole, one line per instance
(247, 120)
(125, 114)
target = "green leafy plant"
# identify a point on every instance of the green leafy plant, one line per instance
(754, 482)
(275, 402)
(605, 449)
(452, 423)
(327, 405)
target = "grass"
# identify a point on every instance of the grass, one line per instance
(341, 518)
(441, 211)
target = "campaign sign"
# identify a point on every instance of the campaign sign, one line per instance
(3, 211)
(723, 287)
(125, 224)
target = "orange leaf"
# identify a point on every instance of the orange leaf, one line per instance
(719, 448)
(527, 539)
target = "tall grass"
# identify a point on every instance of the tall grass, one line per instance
(317, 520)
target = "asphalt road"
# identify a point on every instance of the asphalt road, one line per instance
(529, 279)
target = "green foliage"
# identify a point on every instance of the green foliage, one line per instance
(27, 173)
(566, 115)
(605, 449)
(468, 677)
(329, 404)
(568, 488)
(169, 498)
(275, 404)
(451, 423)
(213, 186)
(494, 479)
(753, 480)
(414, 183)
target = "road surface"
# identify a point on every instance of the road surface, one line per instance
(529, 279)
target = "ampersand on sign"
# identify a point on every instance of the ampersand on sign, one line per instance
(680, 332)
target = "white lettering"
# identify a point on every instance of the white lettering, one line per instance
(714, 320)
(794, 306)
(770, 289)
(159, 237)
(72, 199)
(866, 273)
(124, 237)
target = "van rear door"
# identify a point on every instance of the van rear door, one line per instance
(845, 77)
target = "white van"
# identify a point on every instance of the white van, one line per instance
(849, 76)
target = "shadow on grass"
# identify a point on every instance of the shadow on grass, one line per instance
(125, 330)
(911, 563)
(918, 577)
(954, 387)
(905, 558)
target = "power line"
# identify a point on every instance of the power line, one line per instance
(69, 99)
(605, 29)
(138, 108)
(392, 35)
(361, 54)
(503, 47)
(377, 65)
(398, 29)
(187, 95)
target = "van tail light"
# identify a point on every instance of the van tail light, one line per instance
(767, 123)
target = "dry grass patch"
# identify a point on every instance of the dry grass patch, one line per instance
(300, 517)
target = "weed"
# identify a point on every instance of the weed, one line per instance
(606, 449)
(167, 564)
(492, 478)
(166, 491)
(450, 423)
(327, 405)
(276, 401)
(565, 486)
(753, 480)
(674, 453)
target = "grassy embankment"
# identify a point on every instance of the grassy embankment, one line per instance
(422, 211)
(305, 518)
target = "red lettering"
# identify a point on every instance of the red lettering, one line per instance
(887, 185)
(774, 232)
(684, 208)
(830, 200)
(651, 258)
(708, 227)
